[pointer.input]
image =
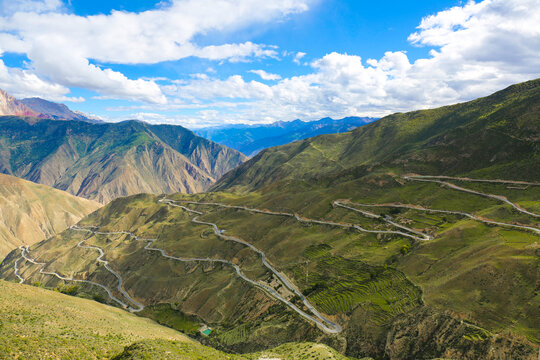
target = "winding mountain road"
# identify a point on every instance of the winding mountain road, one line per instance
(459, 188)
(105, 263)
(317, 318)
(25, 255)
(324, 323)
(419, 236)
(471, 216)
(496, 181)
(17, 270)
(422, 236)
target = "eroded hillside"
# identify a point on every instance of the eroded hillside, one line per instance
(30, 212)
(104, 161)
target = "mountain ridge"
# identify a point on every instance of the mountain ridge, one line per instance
(412, 141)
(54, 111)
(104, 161)
(39, 108)
(11, 106)
(250, 139)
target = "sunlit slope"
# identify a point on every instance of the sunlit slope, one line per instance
(388, 292)
(30, 212)
(43, 324)
(490, 136)
(39, 323)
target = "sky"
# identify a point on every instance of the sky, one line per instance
(202, 63)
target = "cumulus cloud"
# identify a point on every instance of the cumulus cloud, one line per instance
(10, 7)
(63, 46)
(299, 55)
(477, 49)
(265, 76)
(23, 83)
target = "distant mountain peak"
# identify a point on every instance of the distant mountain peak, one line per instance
(39, 108)
(11, 106)
(55, 111)
(250, 139)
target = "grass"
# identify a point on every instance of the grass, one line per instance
(165, 314)
(166, 350)
(36, 324)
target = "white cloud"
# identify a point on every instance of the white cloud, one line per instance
(299, 55)
(266, 76)
(478, 48)
(22, 83)
(10, 7)
(63, 47)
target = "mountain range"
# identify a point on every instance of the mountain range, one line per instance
(413, 237)
(104, 161)
(250, 139)
(55, 111)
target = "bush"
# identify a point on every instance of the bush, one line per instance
(405, 249)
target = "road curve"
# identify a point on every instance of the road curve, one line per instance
(422, 236)
(327, 327)
(16, 266)
(419, 236)
(25, 252)
(471, 216)
(120, 288)
(324, 323)
(496, 181)
(459, 188)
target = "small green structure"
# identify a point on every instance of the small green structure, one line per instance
(205, 330)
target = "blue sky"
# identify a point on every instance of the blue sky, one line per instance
(202, 62)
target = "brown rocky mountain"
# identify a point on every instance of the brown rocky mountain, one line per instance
(11, 106)
(31, 212)
(105, 161)
(56, 111)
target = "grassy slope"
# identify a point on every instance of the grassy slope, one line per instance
(30, 212)
(36, 324)
(342, 272)
(491, 136)
(484, 274)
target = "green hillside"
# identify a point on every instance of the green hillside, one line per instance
(104, 161)
(392, 265)
(491, 137)
(42, 324)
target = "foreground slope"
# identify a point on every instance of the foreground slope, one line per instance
(105, 161)
(30, 212)
(38, 323)
(313, 241)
